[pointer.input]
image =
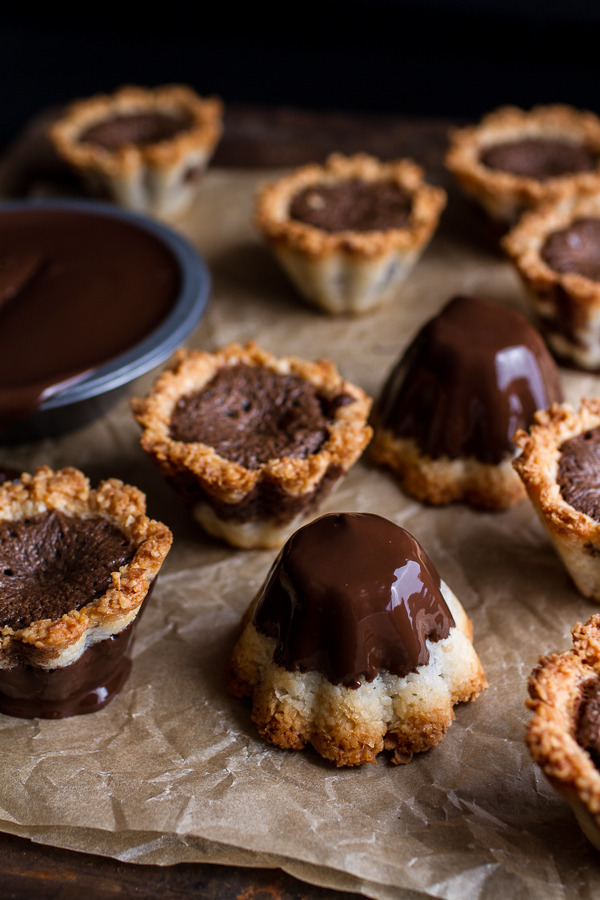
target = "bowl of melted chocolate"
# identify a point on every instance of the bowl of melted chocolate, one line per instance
(91, 298)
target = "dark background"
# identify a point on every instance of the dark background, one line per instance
(450, 58)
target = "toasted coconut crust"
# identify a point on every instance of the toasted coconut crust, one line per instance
(445, 480)
(225, 482)
(555, 688)
(504, 195)
(575, 536)
(348, 271)
(49, 643)
(567, 305)
(352, 726)
(145, 177)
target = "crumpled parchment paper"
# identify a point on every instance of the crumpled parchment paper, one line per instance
(173, 770)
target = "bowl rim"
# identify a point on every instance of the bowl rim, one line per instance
(162, 341)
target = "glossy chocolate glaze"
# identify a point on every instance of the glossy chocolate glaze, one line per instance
(539, 158)
(353, 205)
(84, 686)
(351, 595)
(76, 290)
(251, 414)
(578, 473)
(136, 128)
(588, 725)
(53, 563)
(575, 249)
(472, 376)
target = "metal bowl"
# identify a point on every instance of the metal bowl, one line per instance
(94, 394)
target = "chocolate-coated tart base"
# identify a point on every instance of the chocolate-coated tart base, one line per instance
(77, 566)
(84, 686)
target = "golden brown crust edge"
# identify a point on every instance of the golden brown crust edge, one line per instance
(502, 194)
(442, 481)
(48, 643)
(348, 271)
(555, 690)
(567, 305)
(575, 536)
(229, 482)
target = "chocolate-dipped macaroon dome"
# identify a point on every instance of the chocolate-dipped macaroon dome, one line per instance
(354, 644)
(252, 443)
(76, 567)
(447, 413)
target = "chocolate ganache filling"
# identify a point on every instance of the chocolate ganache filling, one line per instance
(251, 414)
(575, 249)
(472, 376)
(539, 158)
(141, 128)
(351, 595)
(54, 563)
(578, 473)
(353, 205)
(77, 289)
(588, 725)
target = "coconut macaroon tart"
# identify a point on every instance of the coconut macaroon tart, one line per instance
(349, 231)
(513, 159)
(252, 442)
(556, 252)
(354, 645)
(145, 149)
(447, 412)
(76, 566)
(559, 465)
(563, 733)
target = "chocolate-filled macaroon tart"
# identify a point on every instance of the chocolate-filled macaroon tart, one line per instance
(353, 644)
(559, 464)
(142, 148)
(251, 442)
(447, 413)
(514, 159)
(563, 734)
(76, 566)
(556, 252)
(348, 232)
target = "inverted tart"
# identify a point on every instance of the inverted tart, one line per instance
(142, 148)
(559, 464)
(556, 252)
(251, 442)
(348, 232)
(76, 566)
(446, 415)
(354, 645)
(563, 733)
(513, 159)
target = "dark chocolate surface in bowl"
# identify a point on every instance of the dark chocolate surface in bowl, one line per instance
(71, 394)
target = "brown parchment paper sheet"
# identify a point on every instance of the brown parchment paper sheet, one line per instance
(172, 770)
